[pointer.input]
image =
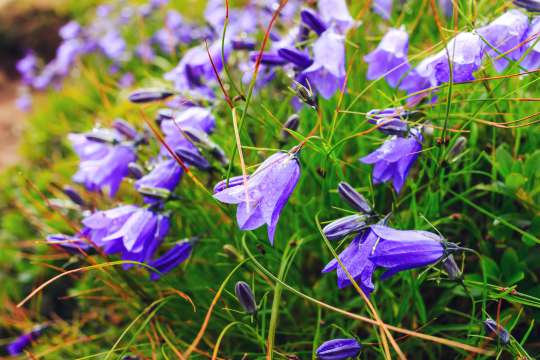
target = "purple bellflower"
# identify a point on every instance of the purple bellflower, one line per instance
(327, 73)
(394, 159)
(27, 67)
(447, 7)
(245, 297)
(503, 36)
(400, 250)
(391, 121)
(356, 259)
(313, 21)
(69, 243)
(383, 8)
(465, 52)
(532, 59)
(262, 198)
(233, 181)
(529, 5)
(492, 327)
(165, 175)
(171, 259)
(421, 77)
(336, 13)
(389, 59)
(338, 349)
(17, 346)
(354, 198)
(344, 226)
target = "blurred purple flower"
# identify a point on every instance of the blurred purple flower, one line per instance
(383, 8)
(447, 7)
(493, 328)
(529, 5)
(69, 243)
(394, 159)
(336, 13)
(327, 73)
(27, 67)
(400, 250)
(17, 346)
(389, 59)
(171, 259)
(532, 59)
(421, 77)
(313, 21)
(70, 30)
(505, 34)
(24, 101)
(126, 80)
(145, 51)
(338, 349)
(113, 45)
(465, 52)
(165, 175)
(265, 193)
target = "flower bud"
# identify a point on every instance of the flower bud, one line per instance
(206, 143)
(296, 57)
(313, 21)
(338, 349)
(292, 123)
(268, 58)
(17, 346)
(149, 95)
(493, 328)
(354, 198)
(155, 192)
(243, 44)
(344, 226)
(305, 94)
(529, 5)
(192, 157)
(73, 195)
(451, 268)
(104, 136)
(125, 128)
(135, 170)
(457, 149)
(245, 297)
(164, 114)
(389, 121)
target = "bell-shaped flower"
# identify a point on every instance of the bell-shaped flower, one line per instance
(465, 52)
(338, 349)
(245, 297)
(336, 13)
(354, 198)
(356, 259)
(400, 250)
(393, 121)
(394, 159)
(493, 328)
(532, 58)
(313, 21)
(327, 73)
(262, 198)
(171, 259)
(165, 175)
(422, 76)
(344, 226)
(383, 8)
(389, 59)
(504, 36)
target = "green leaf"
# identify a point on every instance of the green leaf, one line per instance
(514, 181)
(503, 161)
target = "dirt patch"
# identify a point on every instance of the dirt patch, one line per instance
(11, 123)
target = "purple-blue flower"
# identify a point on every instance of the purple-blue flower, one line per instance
(532, 59)
(165, 175)
(262, 198)
(356, 259)
(69, 243)
(313, 21)
(503, 36)
(400, 250)
(394, 159)
(493, 328)
(17, 346)
(338, 349)
(171, 259)
(327, 73)
(391, 121)
(383, 8)
(389, 59)
(27, 67)
(335, 13)
(465, 52)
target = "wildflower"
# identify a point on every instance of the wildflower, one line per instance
(465, 52)
(338, 349)
(503, 36)
(529, 5)
(327, 73)
(232, 182)
(113, 45)
(149, 95)
(389, 59)
(313, 21)
(457, 149)
(17, 346)
(191, 156)
(165, 175)
(356, 259)
(245, 297)
(391, 121)
(344, 226)
(292, 123)
(383, 8)
(400, 250)
(451, 268)
(422, 76)
(265, 193)
(447, 7)
(297, 57)
(493, 328)
(394, 159)
(73, 195)
(27, 67)
(24, 101)
(335, 12)
(532, 59)
(171, 259)
(355, 199)
(70, 30)
(69, 243)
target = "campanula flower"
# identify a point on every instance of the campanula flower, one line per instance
(262, 198)
(70, 30)
(291, 123)
(422, 76)
(149, 95)
(17, 346)
(394, 159)
(344, 226)
(503, 36)
(27, 67)
(389, 59)
(233, 181)
(354, 198)
(532, 59)
(296, 57)
(338, 349)
(335, 13)
(245, 297)
(171, 259)
(447, 7)
(356, 259)
(313, 21)
(400, 250)
(327, 73)
(529, 5)
(383, 8)
(113, 45)
(24, 101)
(165, 175)
(493, 328)
(391, 121)
(465, 52)
(69, 243)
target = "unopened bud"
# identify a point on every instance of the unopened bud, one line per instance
(155, 192)
(344, 226)
(245, 297)
(313, 21)
(292, 123)
(493, 328)
(73, 195)
(149, 95)
(451, 267)
(354, 198)
(305, 95)
(338, 349)
(192, 157)
(457, 149)
(136, 171)
(125, 128)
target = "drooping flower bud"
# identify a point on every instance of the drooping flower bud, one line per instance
(344, 226)
(154, 192)
(135, 170)
(457, 149)
(149, 95)
(17, 346)
(172, 258)
(73, 195)
(268, 58)
(451, 267)
(292, 123)
(305, 94)
(245, 297)
(192, 157)
(493, 328)
(529, 5)
(338, 349)
(296, 57)
(125, 128)
(354, 198)
(313, 21)
(243, 44)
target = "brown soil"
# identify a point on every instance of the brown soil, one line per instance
(11, 123)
